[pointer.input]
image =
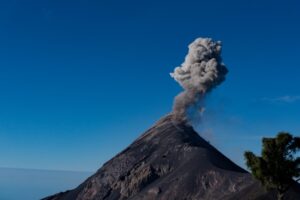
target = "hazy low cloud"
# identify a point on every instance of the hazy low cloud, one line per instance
(283, 99)
(246, 137)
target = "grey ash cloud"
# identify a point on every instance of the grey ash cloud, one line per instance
(201, 71)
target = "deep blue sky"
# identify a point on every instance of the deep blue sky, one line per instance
(80, 80)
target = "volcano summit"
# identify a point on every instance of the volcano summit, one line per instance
(170, 161)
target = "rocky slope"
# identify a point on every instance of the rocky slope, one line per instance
(170, 161)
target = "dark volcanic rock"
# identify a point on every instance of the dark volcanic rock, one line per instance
(168, 162)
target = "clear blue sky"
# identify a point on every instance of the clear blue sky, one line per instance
(80, 80)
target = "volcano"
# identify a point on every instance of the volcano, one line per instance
(170, 161)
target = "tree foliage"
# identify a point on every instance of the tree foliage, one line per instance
(278, 165)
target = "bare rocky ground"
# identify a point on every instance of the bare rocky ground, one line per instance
(170, 161)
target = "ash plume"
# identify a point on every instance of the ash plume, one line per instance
(201, 71)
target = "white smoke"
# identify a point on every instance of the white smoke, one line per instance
(201, 71)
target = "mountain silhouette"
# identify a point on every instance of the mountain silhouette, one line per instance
(170, 161)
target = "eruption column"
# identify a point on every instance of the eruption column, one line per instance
(201, 71)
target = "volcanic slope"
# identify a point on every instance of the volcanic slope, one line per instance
(170, 161)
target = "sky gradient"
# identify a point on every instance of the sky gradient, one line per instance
(80, 80)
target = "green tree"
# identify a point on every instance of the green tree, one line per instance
(278, 166)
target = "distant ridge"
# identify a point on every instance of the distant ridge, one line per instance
(32, 184)
(49, 170)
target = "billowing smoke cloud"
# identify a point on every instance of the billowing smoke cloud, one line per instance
(201, 71)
